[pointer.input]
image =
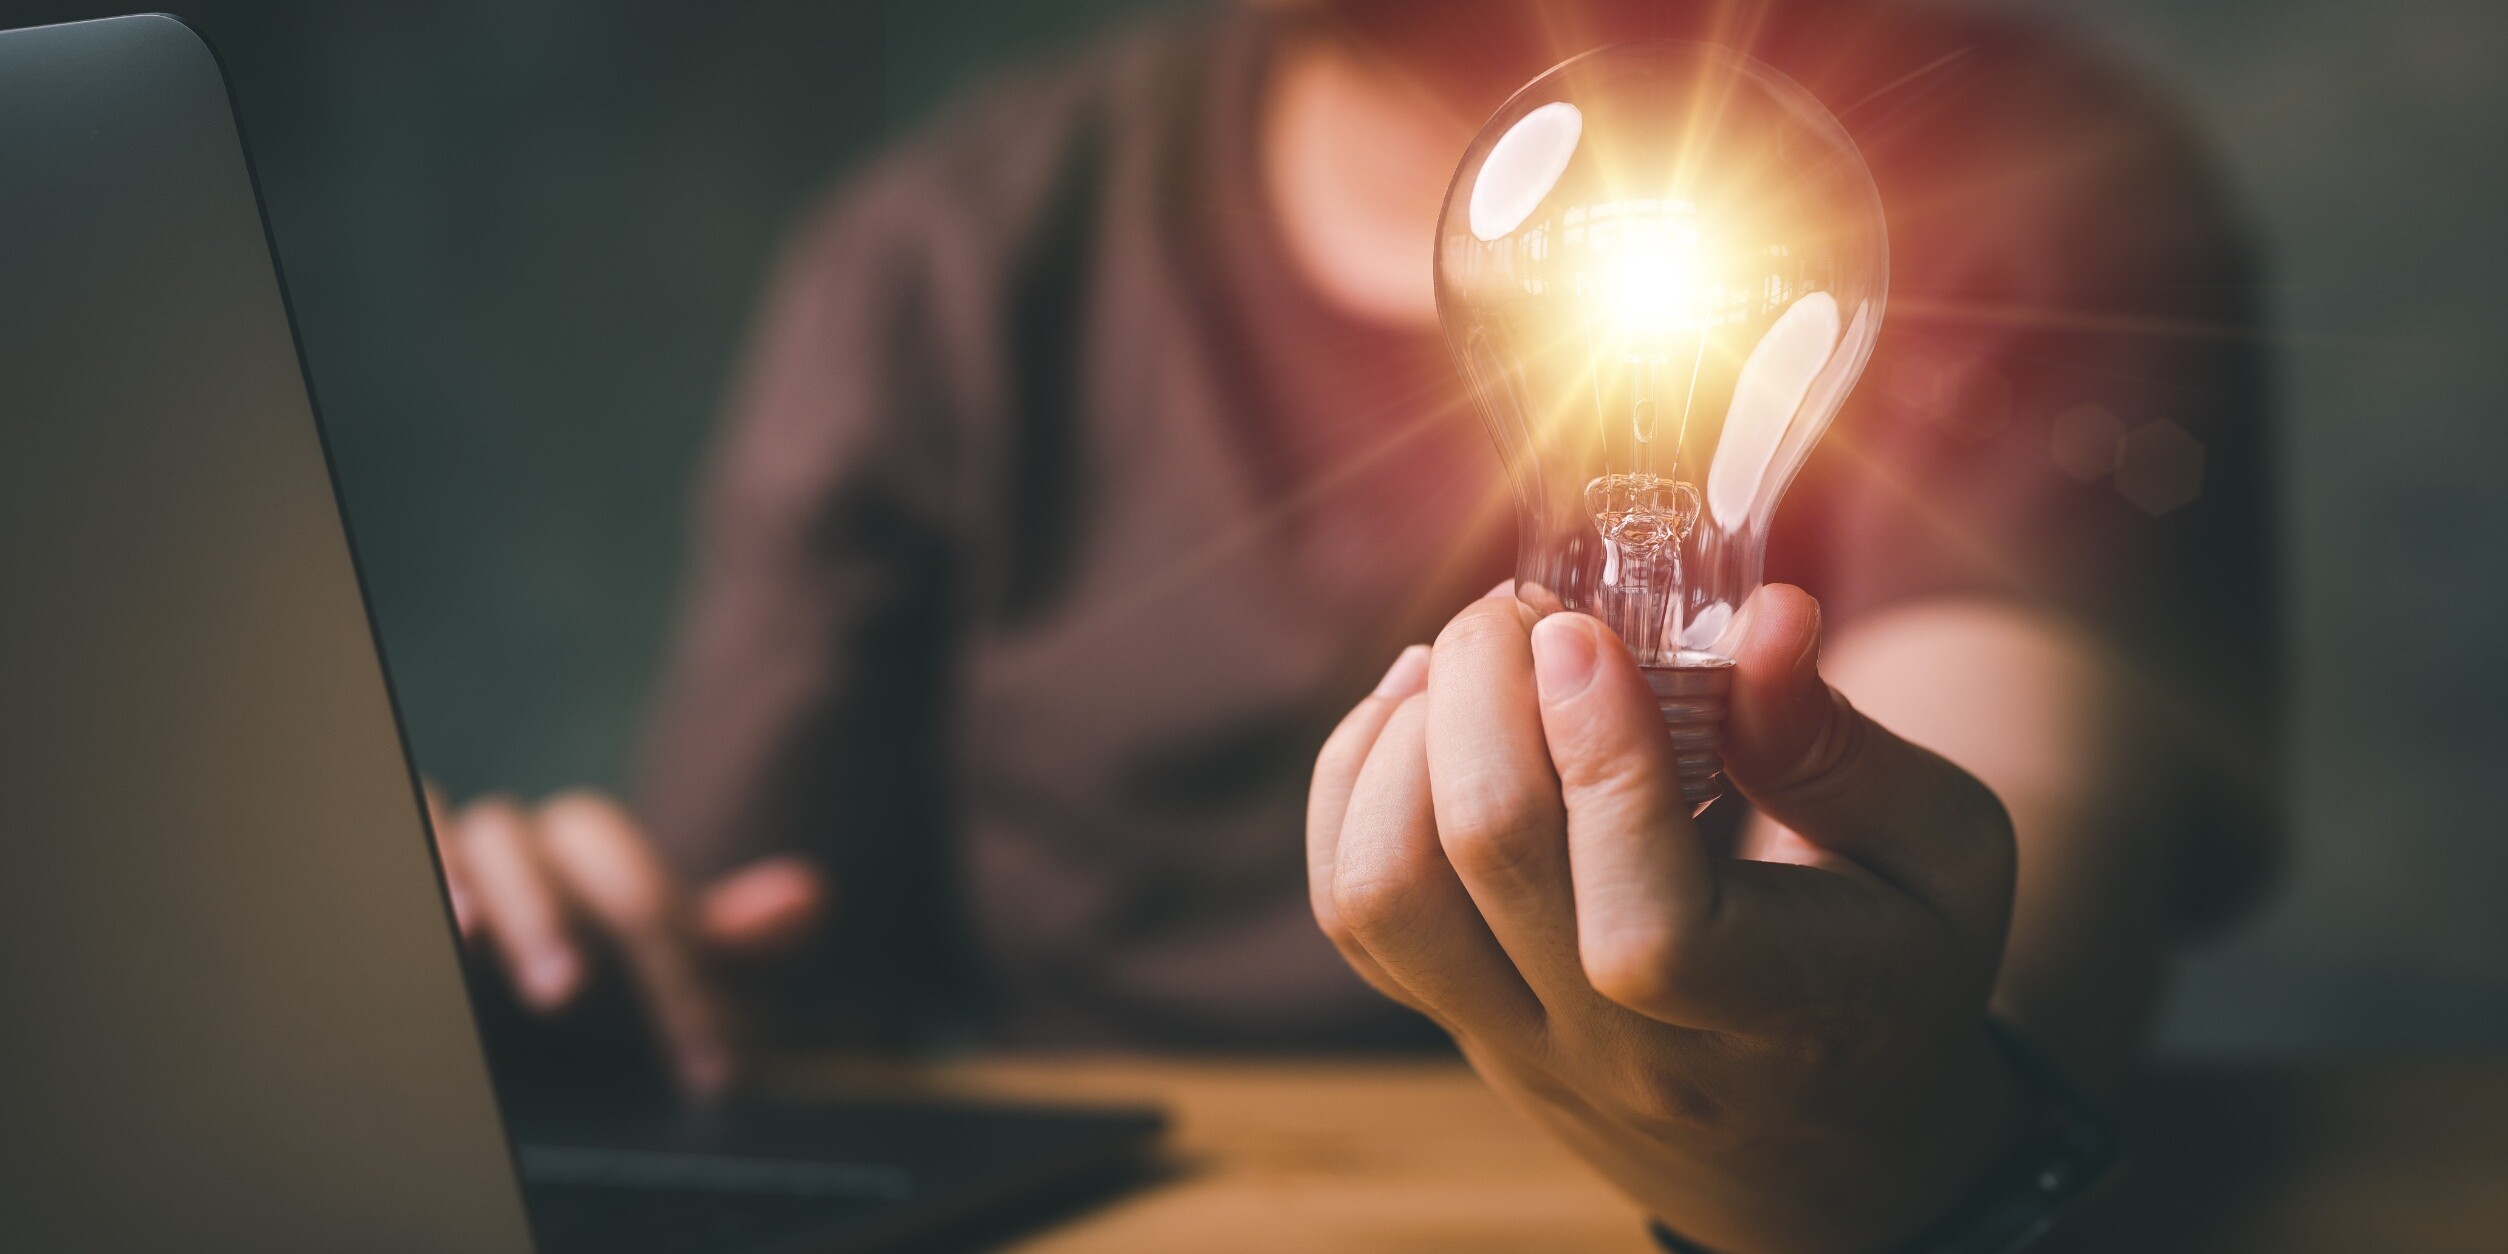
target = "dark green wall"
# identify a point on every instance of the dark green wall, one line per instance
(2373, 140)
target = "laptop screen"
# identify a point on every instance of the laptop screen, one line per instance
(236, 1015)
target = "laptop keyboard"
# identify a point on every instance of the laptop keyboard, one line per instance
(598, 1201)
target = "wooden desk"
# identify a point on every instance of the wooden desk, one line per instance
(1417, 1156)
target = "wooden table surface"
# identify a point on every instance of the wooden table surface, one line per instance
(1417, 1156)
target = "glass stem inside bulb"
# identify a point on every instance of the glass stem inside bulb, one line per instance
(1643, 520)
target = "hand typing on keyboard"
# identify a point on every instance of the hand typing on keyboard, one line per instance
(536, 885)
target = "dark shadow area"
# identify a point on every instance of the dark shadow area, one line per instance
(2233, 1159)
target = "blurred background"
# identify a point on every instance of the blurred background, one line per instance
(524, 238)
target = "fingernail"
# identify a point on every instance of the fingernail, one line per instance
(1563, 656)
(1407, 675)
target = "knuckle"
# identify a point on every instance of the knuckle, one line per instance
(1329, 921)
(1608, 776)
(1321, 895)
(1485, 801)
(1366, 904)
(1502, 840)
(1639, 968)
(1661, 1101)
(1376, 904)
(605, 865)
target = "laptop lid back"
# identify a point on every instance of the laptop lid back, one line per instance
(231, 1011)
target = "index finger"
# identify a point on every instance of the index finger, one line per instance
(619, 880)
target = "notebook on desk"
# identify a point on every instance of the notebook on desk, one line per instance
(236, 1017)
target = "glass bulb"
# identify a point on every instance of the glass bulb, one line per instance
(1660, 267)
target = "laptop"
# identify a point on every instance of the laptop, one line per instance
(233, 1013)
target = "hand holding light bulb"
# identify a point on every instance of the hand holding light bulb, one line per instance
(1768, 1056)
(1659, 318)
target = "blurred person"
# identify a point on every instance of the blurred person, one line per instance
(1098, 452)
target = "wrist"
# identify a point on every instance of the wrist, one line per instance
(1868, 1183)
(1932, 1154)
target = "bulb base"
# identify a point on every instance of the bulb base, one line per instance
(1692, 693)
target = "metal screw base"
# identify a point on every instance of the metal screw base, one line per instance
(1692, 693)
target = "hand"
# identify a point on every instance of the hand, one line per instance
(1781, 1053)
(530, 883)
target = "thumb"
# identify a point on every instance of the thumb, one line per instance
(1808, 759)
(766, 908)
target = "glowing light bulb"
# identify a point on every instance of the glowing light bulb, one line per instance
(1661, 267)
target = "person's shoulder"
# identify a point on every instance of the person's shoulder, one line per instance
(980, 174)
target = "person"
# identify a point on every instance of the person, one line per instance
(1098, 452)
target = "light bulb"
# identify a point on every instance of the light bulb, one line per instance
(1661, 267)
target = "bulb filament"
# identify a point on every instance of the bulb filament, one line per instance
(1642, 514)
